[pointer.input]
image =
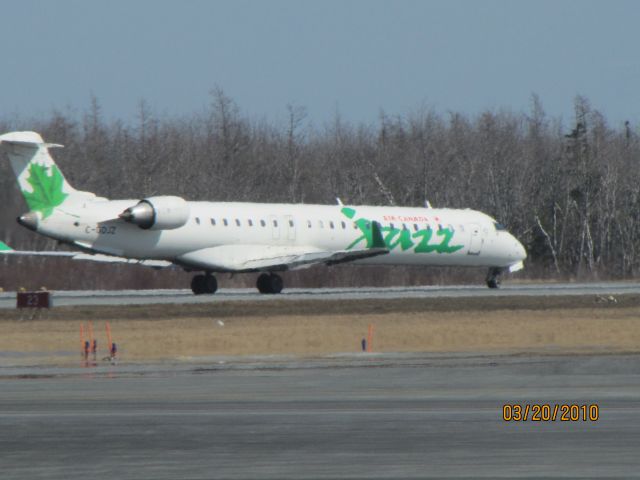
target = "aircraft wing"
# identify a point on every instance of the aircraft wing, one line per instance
(98, 257)
(257, 258)
(236, 258)
(272, 258)
(33, 253)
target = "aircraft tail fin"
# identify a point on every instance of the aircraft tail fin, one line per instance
(40, 180)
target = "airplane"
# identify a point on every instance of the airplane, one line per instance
(232, 237)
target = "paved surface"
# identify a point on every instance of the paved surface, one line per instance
(342, 417)
(139, 297)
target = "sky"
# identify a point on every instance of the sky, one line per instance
(354, 57)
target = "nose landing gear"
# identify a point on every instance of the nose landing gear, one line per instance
(493, 277)
(204, 284)
(269, 283)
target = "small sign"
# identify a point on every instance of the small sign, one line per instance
(33, 300)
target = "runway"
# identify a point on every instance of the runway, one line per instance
(394, 416)
(145, 297)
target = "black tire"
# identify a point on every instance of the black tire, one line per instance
(269, 283)
(276, 283)
(198, 285)
(493, 283)
(263, 283)
(210, 284)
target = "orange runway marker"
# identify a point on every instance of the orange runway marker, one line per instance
(370, 339)
(108, 329)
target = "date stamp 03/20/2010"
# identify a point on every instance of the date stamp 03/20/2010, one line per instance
(546, 412)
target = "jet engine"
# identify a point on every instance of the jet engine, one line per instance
(158, 213)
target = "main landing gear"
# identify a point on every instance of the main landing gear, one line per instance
(269, 283)
(207, 284)
(493, 277)
(204, 284)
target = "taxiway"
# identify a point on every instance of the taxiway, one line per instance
(145, 297)
(403, 416)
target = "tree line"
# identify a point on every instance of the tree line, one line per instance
(570, 191)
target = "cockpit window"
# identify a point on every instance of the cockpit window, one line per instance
(499, 227)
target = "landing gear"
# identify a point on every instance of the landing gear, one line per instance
(204, 284)
(269, 283)
(493, 277)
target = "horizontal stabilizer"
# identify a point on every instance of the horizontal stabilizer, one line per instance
(26, 139)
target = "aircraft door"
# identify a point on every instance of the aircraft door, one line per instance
(476, 240)
(275, 227)
(290, 225)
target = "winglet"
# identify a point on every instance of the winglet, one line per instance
(376, 236)
(4, 247)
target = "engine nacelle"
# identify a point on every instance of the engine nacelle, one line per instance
(158, 213)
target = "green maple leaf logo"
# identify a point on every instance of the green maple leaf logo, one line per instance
(47, 189)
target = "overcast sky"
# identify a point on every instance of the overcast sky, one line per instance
(356, 57)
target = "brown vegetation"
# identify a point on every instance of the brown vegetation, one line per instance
(310, 328)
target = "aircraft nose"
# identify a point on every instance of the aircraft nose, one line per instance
(519, 252)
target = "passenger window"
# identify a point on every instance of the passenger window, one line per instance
(237, 222)
(404, 226)
(250, 222)
(344, 225)
(391, 225)
(263, 223)
(308, 223)
(275, 223)
(331, 224)
(198, 220)
(224, 220)
(355, 226)
(213, 222)
(291, 223)
(415, 227)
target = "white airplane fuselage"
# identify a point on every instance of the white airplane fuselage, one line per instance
(325, 227)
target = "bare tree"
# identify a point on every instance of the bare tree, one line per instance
(570, 193)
